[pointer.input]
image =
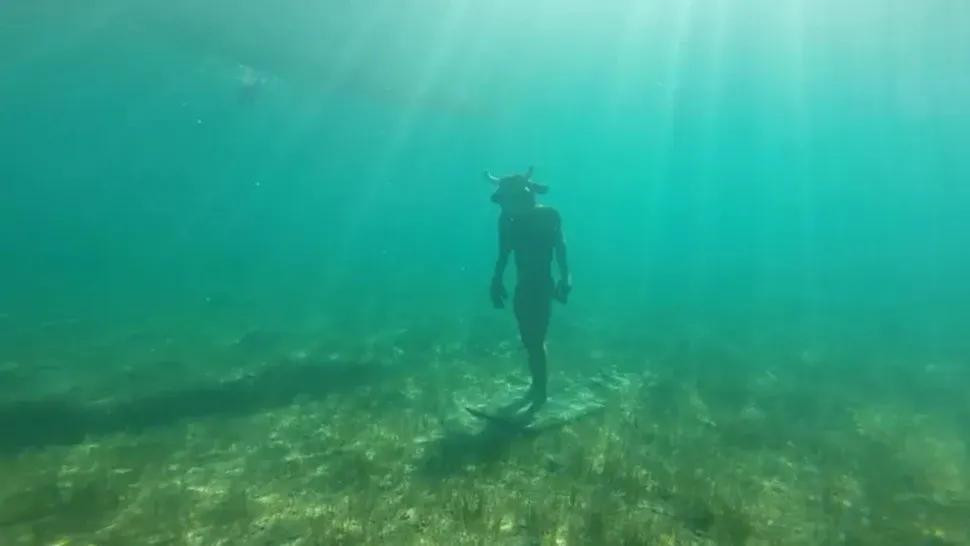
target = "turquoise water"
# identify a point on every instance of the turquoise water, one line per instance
(765, 204)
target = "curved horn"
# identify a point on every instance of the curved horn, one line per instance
(491, 177)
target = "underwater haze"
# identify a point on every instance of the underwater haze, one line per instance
(245, 253)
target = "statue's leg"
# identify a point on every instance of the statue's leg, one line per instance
(532, 310)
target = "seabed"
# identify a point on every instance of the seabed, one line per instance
(308, 446)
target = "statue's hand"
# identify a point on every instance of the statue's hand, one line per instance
(498, 294)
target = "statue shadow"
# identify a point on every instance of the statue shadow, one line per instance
(464, 450)
(37, 424)
(459, 451)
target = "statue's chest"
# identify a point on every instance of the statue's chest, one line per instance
(530, 233)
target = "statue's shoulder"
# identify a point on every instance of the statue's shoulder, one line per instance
(548, 214)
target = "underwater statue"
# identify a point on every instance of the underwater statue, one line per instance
(533, 233)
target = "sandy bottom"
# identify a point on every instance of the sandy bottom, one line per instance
(310, 449)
